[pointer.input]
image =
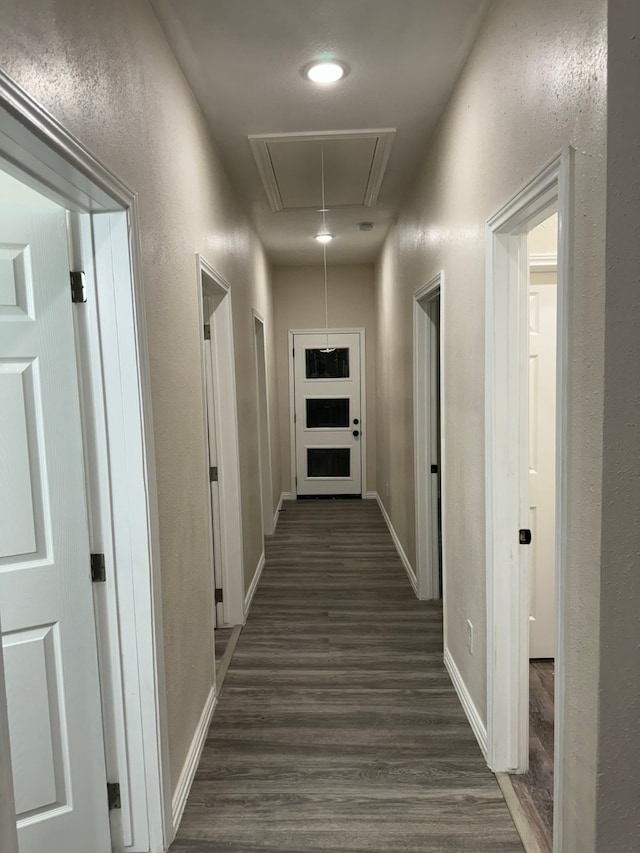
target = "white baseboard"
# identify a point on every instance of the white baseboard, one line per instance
(475, 721)
(371, 496)
(183, 787)
(254, 584)
(287, 496)
(405, 560)
(276, 515)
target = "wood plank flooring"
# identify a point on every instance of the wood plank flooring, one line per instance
(534, 789)
(337, 727)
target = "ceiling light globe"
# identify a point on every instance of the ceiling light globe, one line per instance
(325, 72)
(324, 238)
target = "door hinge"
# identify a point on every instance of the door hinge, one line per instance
(434, 469)
(113, 796)
(219, 596)
(525, 537)
(78, 288)
(213, 474)
(295, 418)
(207, 332)
(98, 568)
(293, 353)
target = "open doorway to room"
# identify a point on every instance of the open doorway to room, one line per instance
(527, 330)
(535, 787)
(428, 437)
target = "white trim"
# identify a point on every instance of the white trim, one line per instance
(211, 283)
(506, 431)
(371, 496)
(254, 584)
(190, 766)
(426, 500)
(543, 262)
(276, 514)
(8, 834)
(396, 541)
(363, 402)
(473, 715)
(35, 148)
(259, 144)
(288, 496)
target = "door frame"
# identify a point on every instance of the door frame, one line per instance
(210, 283)
(363, 400)
(264, 427)
(116, 402)
(506, 466)
(426, 565)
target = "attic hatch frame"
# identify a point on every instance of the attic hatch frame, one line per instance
(37, 150)
(260, 147)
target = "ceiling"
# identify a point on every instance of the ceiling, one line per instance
(243, 59)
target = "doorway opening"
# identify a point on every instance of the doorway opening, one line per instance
(527, 333)
(427, 314)
(327, 398)
(93, 231)
(222, 453)
(264, 430)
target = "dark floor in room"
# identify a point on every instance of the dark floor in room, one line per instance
(337, 727)
(535, 788)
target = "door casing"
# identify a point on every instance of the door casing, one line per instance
(363, 401)
(428, 580)
(506, 467)
(37, 150)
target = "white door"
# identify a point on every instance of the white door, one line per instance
(327, 416)
(46, 604)
(218, 610)
(542, 464)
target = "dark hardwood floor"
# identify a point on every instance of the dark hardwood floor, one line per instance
(535, 788)
(337, 727)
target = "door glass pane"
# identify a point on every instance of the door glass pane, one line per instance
(327, 365)
(328, 462)
(327, 412)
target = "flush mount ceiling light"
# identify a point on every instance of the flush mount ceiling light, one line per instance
(324, 237)
(325, 72)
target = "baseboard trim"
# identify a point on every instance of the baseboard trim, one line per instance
(276, 515)
(288, 496)
(475, 721)
(254, 584)
(520, 819)
(185, 781)
(371, 496)
(405, 560)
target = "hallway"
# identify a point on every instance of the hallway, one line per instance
(337, 727)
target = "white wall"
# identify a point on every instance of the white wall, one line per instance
(618, 815)
(534, 83)
(105, 71)
(298, 294)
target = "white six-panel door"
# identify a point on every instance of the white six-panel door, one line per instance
(328, 420)
(46, 607)
(542, 467)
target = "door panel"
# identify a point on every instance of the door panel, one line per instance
(542, 420)
(328, 419)
(46, 597)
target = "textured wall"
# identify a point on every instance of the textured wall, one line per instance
(106, 72)
(298, 295)
(618, 817)
(535, 82)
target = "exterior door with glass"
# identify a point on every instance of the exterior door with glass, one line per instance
(327, 416)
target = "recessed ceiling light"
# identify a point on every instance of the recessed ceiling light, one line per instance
(326, 72)
(324, 237)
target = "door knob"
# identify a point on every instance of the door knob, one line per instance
(356, 432)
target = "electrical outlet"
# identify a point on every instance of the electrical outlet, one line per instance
(470, 636)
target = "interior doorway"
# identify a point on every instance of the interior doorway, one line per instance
(427, 311)
(327, 408)
(527, 330)
(264, 431)
(222, 453)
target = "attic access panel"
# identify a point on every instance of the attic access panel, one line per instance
(290, 167)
